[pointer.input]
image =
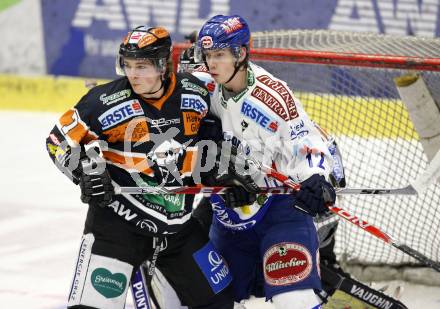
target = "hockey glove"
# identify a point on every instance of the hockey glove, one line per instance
(238, 196)
(210, 129)
(314, 194)
(95, 182)
(242, 189)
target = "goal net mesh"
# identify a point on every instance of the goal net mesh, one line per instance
(361, 108)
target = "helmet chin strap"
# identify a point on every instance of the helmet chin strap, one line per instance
(237, 67)
(153, 92)
(162, 84)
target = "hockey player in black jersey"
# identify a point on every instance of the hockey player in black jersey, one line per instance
(146, 124)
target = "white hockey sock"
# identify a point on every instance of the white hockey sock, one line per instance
(298, 299)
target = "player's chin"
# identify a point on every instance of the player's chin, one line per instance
(218, 78)
(142, 88)
(139, 89)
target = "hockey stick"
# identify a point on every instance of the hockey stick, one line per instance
(356, 289)
(429, 176)
(419, 185)
(409, 190)
(193, 190)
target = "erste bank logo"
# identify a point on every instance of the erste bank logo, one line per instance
(120, 113)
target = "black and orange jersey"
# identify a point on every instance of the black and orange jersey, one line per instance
(141, 141)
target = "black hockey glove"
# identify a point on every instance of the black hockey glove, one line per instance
(243, 189)
(210, 129)
(95, 182)
(314, 194)
(241, 193)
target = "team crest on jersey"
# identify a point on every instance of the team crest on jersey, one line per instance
(259, 116)
(242, 147)
(193, 102)
(167, 156)
(120, 113)
(287, 263)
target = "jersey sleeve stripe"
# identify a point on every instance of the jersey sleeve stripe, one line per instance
(74, 129)
(189, 161)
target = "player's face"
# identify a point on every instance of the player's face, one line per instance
(143, 75)
(221, 64)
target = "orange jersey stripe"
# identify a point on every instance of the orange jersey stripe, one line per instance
(138, 132)
(139, 164)
(188, 162)
(73, 128)
(159, 103)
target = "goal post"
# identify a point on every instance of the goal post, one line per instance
(346, 82)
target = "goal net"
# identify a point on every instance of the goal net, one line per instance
(346, 83)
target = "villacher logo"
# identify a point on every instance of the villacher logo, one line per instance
(287, 263)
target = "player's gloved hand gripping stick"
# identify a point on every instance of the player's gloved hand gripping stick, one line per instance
(94, 179)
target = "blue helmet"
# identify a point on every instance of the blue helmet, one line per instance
(224, 32)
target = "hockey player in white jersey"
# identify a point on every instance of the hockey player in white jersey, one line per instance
(332, 275)
(262, 120)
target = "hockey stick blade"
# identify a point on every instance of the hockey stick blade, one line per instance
(408, 190)
(418, 186)
(429, 176)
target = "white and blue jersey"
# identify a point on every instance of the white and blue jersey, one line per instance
(266, 122)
